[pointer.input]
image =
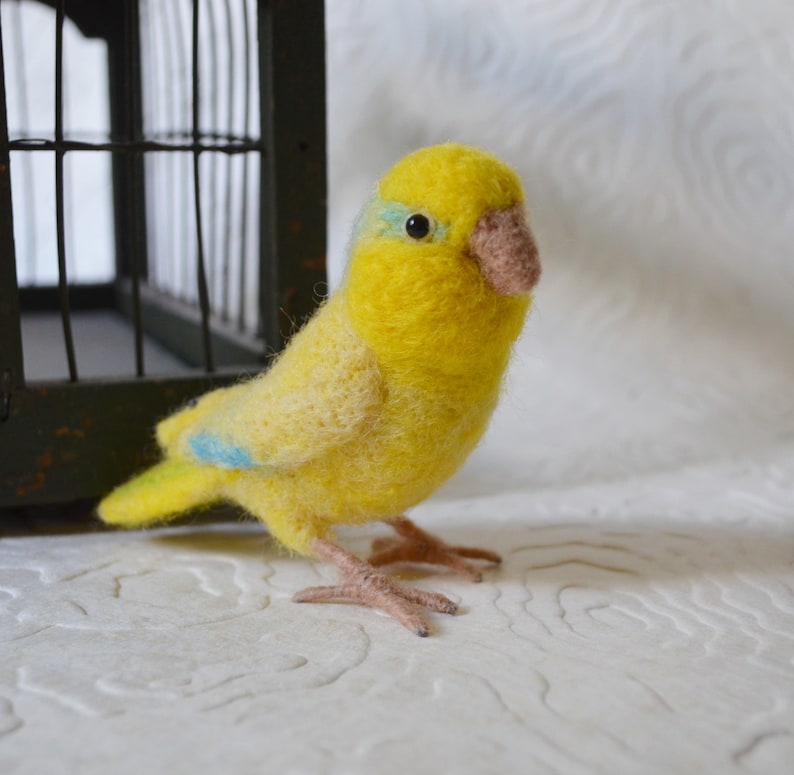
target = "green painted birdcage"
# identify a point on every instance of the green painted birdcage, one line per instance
(162, 219)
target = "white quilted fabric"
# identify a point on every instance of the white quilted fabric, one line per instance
(639, 476)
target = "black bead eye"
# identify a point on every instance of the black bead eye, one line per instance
(417, 226)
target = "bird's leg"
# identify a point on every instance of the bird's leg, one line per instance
(415, 545)
(368, 586)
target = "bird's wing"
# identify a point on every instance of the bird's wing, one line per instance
(325, 390)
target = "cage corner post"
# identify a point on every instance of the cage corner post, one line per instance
(12, 374)
(294, 186)
(121, 30)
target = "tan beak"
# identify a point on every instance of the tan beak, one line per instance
(505, 249)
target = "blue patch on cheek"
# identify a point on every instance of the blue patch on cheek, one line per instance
(394, 215)
(387, 219)
(210, 449)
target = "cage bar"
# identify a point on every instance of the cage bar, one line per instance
(59, 197)
(203, 292)
(241, 315)
(226, 301)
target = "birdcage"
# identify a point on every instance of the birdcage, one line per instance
(162, 219)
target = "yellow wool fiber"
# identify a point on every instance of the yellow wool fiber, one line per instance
(383, 394)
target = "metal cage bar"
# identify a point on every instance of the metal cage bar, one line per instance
(246, 130)
(201, 265)
(63, 284)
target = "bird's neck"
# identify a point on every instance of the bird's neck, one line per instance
(427, 312)
(458, 338)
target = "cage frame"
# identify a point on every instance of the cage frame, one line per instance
(75, 439)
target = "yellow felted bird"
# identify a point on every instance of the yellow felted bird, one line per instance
(380, 397)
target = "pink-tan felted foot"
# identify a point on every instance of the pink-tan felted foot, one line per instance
(417, 546)
(367, 586)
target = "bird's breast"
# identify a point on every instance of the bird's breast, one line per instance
(421, 439)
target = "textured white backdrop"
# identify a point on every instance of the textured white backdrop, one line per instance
(656, 141)
(639, 476)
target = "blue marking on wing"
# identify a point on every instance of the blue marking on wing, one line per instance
(210, 449)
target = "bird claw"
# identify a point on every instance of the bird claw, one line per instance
(417, 546)
(367, 586)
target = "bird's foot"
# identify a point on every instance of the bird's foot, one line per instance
(370, 587)
(417, 546)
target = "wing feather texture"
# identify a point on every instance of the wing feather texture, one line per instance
(323, 391)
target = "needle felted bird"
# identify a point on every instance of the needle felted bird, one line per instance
(380, 397)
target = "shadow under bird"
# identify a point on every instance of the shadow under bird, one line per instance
(380, 398)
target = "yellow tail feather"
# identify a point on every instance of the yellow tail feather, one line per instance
(162, 493)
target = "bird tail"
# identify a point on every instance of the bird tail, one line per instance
(162, 493)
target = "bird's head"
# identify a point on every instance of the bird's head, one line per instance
(444, 237)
